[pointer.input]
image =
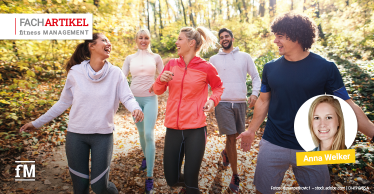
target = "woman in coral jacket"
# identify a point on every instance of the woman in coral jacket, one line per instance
(187, 78)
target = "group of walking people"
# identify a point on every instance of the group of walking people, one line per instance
(94, 88)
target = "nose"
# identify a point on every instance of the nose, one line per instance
(323, 122)
(276, 40)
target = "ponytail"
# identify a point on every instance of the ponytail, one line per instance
(81, 53)
(204, 38)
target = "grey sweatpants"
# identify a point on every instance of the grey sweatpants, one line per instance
(78, 147)
(272, 163)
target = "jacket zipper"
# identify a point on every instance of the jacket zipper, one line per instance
(180, 98)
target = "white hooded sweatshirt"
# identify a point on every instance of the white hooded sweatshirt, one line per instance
(94, 99)
(233, 68)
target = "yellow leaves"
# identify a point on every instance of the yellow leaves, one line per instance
(30, 73)
(4, 101)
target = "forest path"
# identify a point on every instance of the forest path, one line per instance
(52, 176)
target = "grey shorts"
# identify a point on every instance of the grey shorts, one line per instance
(231, 117)
(272, 163)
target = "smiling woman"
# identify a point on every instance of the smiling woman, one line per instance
(143, 65)
(326, 124)
(187, 78)
(93, 89)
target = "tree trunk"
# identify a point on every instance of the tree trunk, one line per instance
(320, 31)
(15, 49)
(272, 7)
(261, 9)
(253, 9)
(228, 9)
(220, 6)
(159, 14)
(304, 6)
(167, 11)
(291, 5)
(245, 10)
(191, 15)
(239, 8)
(149, 28)
(184, 13)
(96, 3)
(155, 17)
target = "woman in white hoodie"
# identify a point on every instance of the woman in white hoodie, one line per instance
(93, 89)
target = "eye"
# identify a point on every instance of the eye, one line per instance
(105, 40)
(329, 117)
(316, 118)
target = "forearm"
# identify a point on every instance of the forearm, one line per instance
(259, 114)
(51, 114)
(159, 87)
(131, 104)
(365, 126)
(216, 96)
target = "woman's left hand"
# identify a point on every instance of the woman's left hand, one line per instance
(209, 105)
(151, 89)
(138, 115)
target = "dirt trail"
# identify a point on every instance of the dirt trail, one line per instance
(52, 175)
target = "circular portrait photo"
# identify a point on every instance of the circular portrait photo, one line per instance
(325, 122)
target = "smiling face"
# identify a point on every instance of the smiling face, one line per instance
(183, 44)
(225, 40)
(102, 48)
(325, 122)
(143, 41)
(285, 45)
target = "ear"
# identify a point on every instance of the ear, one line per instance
(192, 43)
(91, 46)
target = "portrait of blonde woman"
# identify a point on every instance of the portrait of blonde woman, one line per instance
(326, 124)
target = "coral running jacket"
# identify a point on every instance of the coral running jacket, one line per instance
(188, 92)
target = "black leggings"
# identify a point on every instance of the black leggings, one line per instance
(78, 147)
(178, 143)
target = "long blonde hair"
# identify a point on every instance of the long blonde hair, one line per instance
(204, 38)
(339, 138)
(146, 32)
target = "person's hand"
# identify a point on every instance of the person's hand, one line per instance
(166, 76)
(138, 115)
(151, 89)
(209, 105)
(28, 127)
(252, 101)
(247, 140)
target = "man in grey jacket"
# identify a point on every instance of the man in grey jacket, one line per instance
(233, 66)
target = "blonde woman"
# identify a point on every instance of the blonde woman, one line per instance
(187, 78)
(326, 124)
(143, 65)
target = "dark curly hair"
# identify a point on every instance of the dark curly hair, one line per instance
(296, 27)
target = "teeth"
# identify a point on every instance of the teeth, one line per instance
(326, 131)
